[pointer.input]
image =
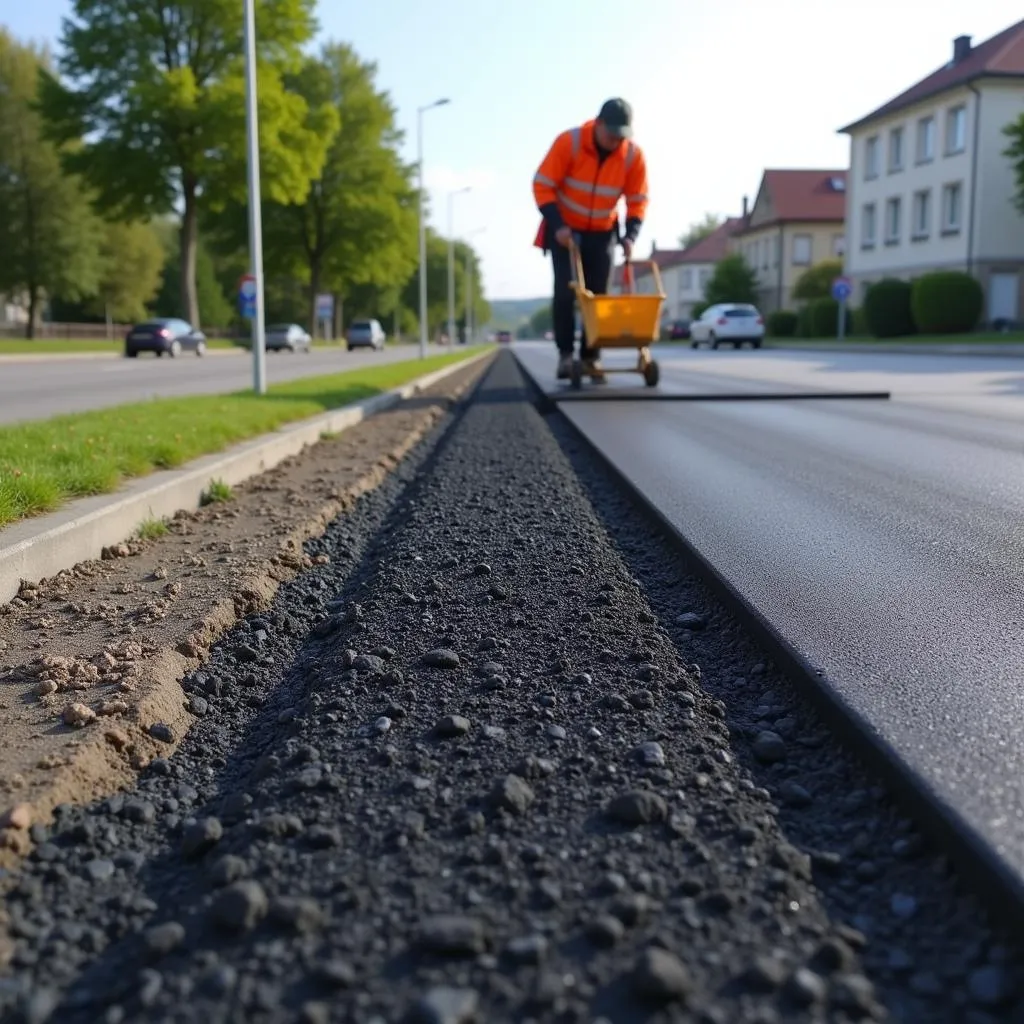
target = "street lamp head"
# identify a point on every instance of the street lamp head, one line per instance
(442, 102)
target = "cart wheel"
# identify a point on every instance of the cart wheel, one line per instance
(652, 374)
(576, 375)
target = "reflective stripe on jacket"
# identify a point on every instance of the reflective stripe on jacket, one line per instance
(586, 189)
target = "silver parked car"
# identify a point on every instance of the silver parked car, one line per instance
(288, 338)
(366, 334)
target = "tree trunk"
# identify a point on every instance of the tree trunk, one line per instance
(314, 290)
(189, 242)
(33, 305)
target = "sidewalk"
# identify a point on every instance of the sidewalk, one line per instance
(1009, 349)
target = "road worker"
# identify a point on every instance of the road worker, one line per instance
(577, 189)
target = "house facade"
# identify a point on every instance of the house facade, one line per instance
(797, 220)
(929, 187)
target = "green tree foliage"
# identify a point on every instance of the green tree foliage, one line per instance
(132, 259)
(355, 232)
(1015, 152)
(214, 306)
(733, 280)
(820, 319)
(946, 302)
(157, 90)
(887, 310)
(541, 322)
(816, 281)
(782, 323)
(48, 233)
(699, 230)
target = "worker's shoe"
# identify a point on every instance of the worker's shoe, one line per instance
(593, 369)
(564, 371)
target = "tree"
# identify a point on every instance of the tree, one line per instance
(710, 223)
(132, 260)
(541, 322)
(211, 301)
(158, 92)
(733, 280)
(1015, 152)
(48, 232)
(356, 227)
(816, 281)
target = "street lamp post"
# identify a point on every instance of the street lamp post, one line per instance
(423, 226)
(451, 261)
(259, 365)
(470, 326)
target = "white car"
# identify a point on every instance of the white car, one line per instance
(728, 323)
(288, 338)
(366, 334)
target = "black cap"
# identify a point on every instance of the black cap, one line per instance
(617, 116)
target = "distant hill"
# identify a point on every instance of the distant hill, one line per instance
(508, 314)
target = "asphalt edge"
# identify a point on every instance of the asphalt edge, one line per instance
(978, 863)
(39, 548)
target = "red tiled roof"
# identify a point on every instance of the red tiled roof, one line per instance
(1000, 56)
(802, 195)
(707, 250)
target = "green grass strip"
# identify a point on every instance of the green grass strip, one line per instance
(46, 463)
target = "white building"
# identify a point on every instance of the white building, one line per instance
(929, 186)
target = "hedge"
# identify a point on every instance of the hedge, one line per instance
(782, 323)
(819, 318)
(887, 309)
(946, 302)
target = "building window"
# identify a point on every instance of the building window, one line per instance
(871, 157)
(801, 250)
(687, 279)
(766, 253)
(893, 212)
(956, 130)
(926, 140)
(705, 276)
(776, 250)
(952, 208)
(867, 226)
(895, 150)
(922, 223)
(839, 246)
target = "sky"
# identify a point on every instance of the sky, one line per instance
(720, 90)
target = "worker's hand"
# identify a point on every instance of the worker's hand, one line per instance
(563, 236)
(627, 247)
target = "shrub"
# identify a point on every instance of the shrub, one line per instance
(782, 323)
(816, 281)
(858, 324)
(698, 310)
(820, 318)
(732, 280)
(887, 309)
(946, 302)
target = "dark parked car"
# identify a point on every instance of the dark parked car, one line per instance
(680, 330)
(164, 336)
(504, 337)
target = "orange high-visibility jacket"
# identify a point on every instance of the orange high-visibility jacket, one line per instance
(587, 190)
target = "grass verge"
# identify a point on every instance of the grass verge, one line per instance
(45, 463)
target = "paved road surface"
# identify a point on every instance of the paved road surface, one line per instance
(883, 539)
(37, 390)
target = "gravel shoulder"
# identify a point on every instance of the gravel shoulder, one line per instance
(91, 661)
(497, 757)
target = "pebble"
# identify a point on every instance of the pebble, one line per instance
(452, 726)
(691, 620)
(442, 657)
(769, 747)
(163, 938)
(227, 869)
(638, 807)
(444, 1005)
(794, 794)
(299, 913)
(199, 706)
(452, 935)
(513, 794)
(606, 930)
(659, 976)
(240, 907)
(529, 949)
(18, 817)
(903, 906)
(162, 731)
(78, 715)
(100, 869)
(556, 732)
(370, 664)
(201, 837)
(650, 754)
(990, 986)
(382, 725)
(805, 987)
(336, 973)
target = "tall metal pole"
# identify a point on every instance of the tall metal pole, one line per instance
(451, 269)
(469, 297)
(423, 224)
(259, 365)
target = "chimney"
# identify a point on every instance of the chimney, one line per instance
(961, 48)
(745, 205)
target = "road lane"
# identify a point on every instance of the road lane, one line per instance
(38, 390)
(881, 539)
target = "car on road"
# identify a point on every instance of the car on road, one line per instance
(288, 338)
(728, 323)
(678, 330)
(504, 337)
(164, 336)
(366, 334)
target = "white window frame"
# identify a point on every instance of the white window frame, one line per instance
(687, 279)
(871, 150)
(949, 226)
(838, 246)
(869, 219)
(793, 255)
(926, 131)
(896, 153)
(956, 115)
(892, 236)
(922, 202)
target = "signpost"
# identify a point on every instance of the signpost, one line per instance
(325, 313)
(842, 289)
(247, 297)
(252, 140)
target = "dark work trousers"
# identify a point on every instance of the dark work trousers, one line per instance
(596, 252)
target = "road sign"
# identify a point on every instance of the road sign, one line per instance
(247, 296)
(324, 307)
(842, 289)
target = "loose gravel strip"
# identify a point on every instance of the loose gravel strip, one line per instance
(475, 780)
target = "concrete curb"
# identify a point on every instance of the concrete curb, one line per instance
(39, 548)
(1011, 350)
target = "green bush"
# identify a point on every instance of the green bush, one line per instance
(858, 323)
(820, 319)
(782, 323)
(698, 310)
(887, 310)
(946, 302)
